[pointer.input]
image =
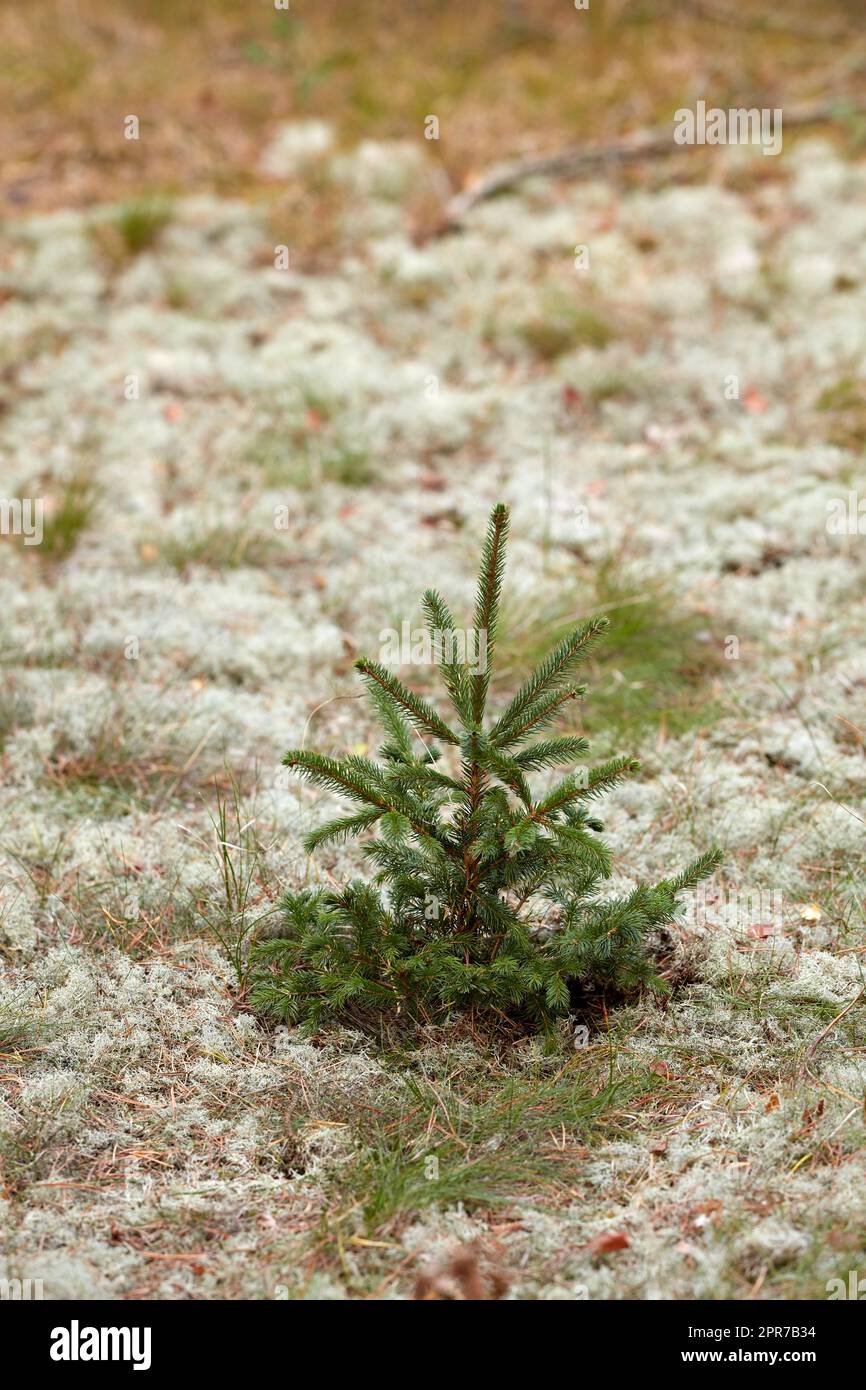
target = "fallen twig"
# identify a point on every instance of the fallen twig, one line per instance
(832, 1024)
(580, 160)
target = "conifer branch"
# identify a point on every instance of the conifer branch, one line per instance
(596, 781)
(700, 869)
(358, 779)
(441, 622)
(487, 601)
(537, 716)
(549, 675)
(506, 769)
(422, 715)
(392, 721)
(340, 829)
(552, 752)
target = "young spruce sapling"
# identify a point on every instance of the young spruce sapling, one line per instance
(467, 860)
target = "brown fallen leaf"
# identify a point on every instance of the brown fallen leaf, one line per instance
(754, 402)
(661, 1069)
(449, 517)
(607, 1242)
(759, 931)
(703, 1213)
(463, 1276)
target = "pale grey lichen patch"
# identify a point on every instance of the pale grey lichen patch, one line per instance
(281, 461)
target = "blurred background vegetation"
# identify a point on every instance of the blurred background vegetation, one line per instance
(209, 78)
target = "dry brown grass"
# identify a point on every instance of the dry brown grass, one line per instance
(209, 82)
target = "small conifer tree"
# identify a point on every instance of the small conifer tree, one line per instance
(468, 861)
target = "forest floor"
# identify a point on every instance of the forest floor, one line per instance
(249, 473)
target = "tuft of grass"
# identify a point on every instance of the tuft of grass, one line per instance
(350, 465)
(844, 394)
(23, 1156)
(845, 403)
(16, 712)
(178, 295)
(136, 917)
(655, 669)
(67, 516)
(833, 880)
(127, 761)
(308, 454)
(39, 1143)
(134, 228)
(561, 326)
(222, 546)
(833, 1252)
(41, 864)
(489, 1147)
(233, 915)
(617, 386)
(18, 1030)
(483, 1138)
